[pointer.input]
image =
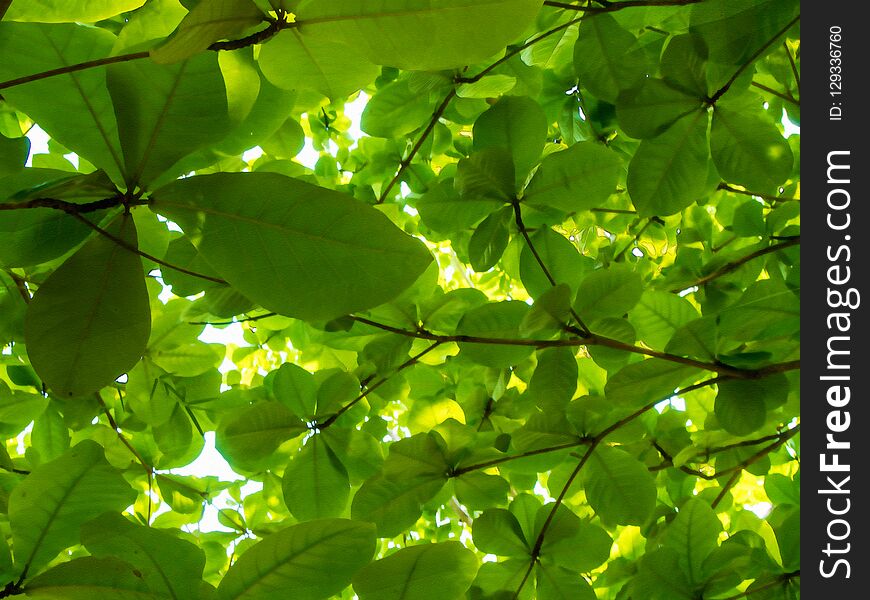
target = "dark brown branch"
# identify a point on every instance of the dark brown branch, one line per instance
(615, 6)
(782, 95)
(73, 68)
(736, 264)
(243, 320)
(4, 6)
(275, 26)
(794, 70)
(135, 250)
(20, 285)
(70, 207)
(721, 91)
(411, 361)
(406, 162)
(592, 340)
(735, 190)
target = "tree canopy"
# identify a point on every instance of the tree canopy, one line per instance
(509, 293)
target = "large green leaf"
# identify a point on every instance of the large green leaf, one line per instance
(208, 22)
(559, 255)
(419, 34)
(396, 110)
(69, 11)
(742, 405)
(557, 583)
(747, 147)
(669, 172)
(315, 560)
(424, 572)
(291, 246)
(89, 321)
(608, 292)
(653, 107)
(618, 487)
(489, 240)
(486, 175)
(658, 315)
(576, 179)
(182, 109)
(294, 61)
(75, 108)
(48, 507)
(555, 379)
(87, 577)
(497, 531)
(649, 380)
(607, 58)
(315, 483)
(414, 472)
(518, 125)
(693, 535)
(13, 154)
(660, 577)
(249, 436)
(171, 567)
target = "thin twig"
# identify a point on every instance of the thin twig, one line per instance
(73, 68)
(406, 162)
(736, 190)
(784, 578)
(126, 246)
(615, 6)
(712, 100)
(781, 95)
(736, 264)
(794, 70)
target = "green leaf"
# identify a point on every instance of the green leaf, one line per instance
(207, 22)
(479, 491)
(486, 175)
(296, 389)
(742, 404)
(555, 378)
(424, 572)
(693, 536)
(607, 58)
(395, 110)
(359, 452)
(414, 472)
(576, 179)
(86, 578)
(563, 261)
(292, 61)
(684, 64)
(650, 380)
(489, 240)
(182, 109)
(75, 109)
(659, 577)
(13, 154)
(557, 583)
(50, 436)
(658, 315)
(497, 531)
(747, 147)
(69, 11)
(735, 29)
(652, 108)
(89, 321)
(443, 209)
(315, 560)
(171, 567)
(18, 409)
(584, 548)
(618, 487)
(306, 240)
(417, 34)
(669, 172)
(249, 436)
(495, 321)
(608, 292)
(315, 483)
(48, 507)
(767, 308)
(516, 124)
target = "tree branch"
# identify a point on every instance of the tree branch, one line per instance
(72, 207)
(135, 250)
(781, 95)
(592, 340)
(615, 6)
(73, 68)
(736, 264)
(712, 100)
(411, 361)
(406, 162)
(735, 190)
(784, 578)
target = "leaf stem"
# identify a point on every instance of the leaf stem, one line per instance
(736, 264)
(73, 68)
